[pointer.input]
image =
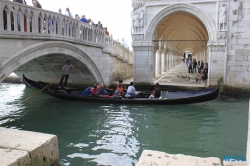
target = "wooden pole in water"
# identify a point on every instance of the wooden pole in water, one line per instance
(44, 87)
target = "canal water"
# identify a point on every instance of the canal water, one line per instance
(114, 134)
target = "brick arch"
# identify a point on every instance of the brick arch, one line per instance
(47, 48)
(204, 18)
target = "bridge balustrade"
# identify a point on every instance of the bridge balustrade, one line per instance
(116, 49)
(30, 22)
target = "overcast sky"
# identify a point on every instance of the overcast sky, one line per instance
(114, 14)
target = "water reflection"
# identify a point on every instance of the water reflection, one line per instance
(115, 140)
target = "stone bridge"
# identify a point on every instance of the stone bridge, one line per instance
(37, 42)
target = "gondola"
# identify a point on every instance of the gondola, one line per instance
(168, 97)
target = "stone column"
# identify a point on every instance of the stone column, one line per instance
(163, 61)
(172, 58)
(204, 56)
(154, 59)
(158, 60)
(167, 62)
(216, 62)
(143, 61)
(175, 59)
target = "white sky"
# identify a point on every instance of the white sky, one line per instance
(113, 14)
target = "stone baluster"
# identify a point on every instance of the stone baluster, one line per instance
(1, 18)
(66, 27)
(27, 21)
(8, 19)
(21, 20)
(15, 20)
(52, 26)
(58, 26)
(49, 25)
(77, 30)
(34, 22)
(93, 34)
(41, 23)
(46, 26)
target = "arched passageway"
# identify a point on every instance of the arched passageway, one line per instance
(175, 34)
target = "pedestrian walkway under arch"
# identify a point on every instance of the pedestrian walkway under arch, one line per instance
(177, 76)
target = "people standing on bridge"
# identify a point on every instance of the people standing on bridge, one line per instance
(65, 73)
(83, 19)
(20, 1)
(99, 24)
(77, 17)
(68, 13)
(106, 31)
(19, 16)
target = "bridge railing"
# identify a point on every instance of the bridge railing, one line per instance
(118, 50)
(30, 22)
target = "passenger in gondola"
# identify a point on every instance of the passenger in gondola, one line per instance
(104, 90)
(97, 89)
(157, 91)
(119, 89)
(131, 92)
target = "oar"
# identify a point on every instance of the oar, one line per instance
(43, 88)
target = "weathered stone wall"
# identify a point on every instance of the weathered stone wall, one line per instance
(238, 56)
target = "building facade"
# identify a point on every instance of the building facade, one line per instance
(214, 31)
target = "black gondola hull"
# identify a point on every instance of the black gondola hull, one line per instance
(172, 99)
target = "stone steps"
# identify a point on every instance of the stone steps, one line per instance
(24, 148)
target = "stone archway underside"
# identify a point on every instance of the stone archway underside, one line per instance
(45, 60)
(49, 68)
(181, 31)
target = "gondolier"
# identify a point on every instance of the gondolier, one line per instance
(65, 73)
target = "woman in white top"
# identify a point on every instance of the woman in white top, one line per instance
(68, 13)
(131, 92)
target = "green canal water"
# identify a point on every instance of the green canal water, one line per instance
(113, 134)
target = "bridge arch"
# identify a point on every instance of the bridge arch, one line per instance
(50, 48)
(181, 7)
